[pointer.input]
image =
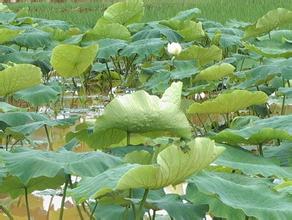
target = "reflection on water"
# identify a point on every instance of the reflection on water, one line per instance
(41, 208)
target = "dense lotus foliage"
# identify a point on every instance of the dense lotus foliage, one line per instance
(172, 119)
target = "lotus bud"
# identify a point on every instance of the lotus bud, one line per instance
(174, 48)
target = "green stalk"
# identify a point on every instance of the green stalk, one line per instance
(202, 123)
(26, 203)
(154, 215)
(260, 149)
(140, 213)
(92, 212)
(64, 197)
(128, 138)
(48, 138)
(283, 105)
(6, 212)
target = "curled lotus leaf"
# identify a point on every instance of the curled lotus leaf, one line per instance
(215, 72)
(140, 113)
(173, 166)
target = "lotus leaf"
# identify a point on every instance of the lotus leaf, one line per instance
(173, 166)
(125, 13)
(71, 60)
(229, 102)
(216, 72)
(259, 131)
(201, 54)
(18, 77)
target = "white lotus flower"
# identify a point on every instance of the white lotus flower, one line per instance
(174, 48)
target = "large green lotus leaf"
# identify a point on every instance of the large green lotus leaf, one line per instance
(20, 132)
(15, 187)
(191, 31)
(11, 119)
(259, 131)
(270, 21)
(201, 55)
(7, 17)
(264, 73)
(5, 107)
(226, 37)
(19, 77)
(283, 153)
(110, 48)
(229, 102)
(126, 12)
(7, 34)
(215, 72)
(105, 30)
(173, 166)
(38, 95)
(140, 112)
(71, 60)
(216, 207)
(177, 208)
(187, 14)
(183, 69)
(248, 163)
(156, 30)
(253, 196)
(272, 51)
(34, 39)
(144, 48)
(27, 164)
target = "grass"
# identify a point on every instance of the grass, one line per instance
(86, 13)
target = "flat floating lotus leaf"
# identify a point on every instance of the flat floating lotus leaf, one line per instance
(71, 60)
(201, 54)
(259, 131)
(215, 72)
(7, 35)
(126, 12)
(270, 21)
(20, 76)
(245, 161)
(254, 196)
(229, 102)
(140, 112)
(173, 166)
(27, 164)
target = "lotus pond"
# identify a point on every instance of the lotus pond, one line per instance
(179, 119)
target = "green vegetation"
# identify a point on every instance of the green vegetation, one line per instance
(86, 13)
(106, 119)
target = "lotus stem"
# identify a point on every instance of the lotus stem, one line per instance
(202, 123)
(26, 203)
(93, 210)
(6, 212)
(48, 138)
(50, 205)
(154, 215)
(283, 105)
(260, 150)
(139, 214)
(68, 177)
(128, 138)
